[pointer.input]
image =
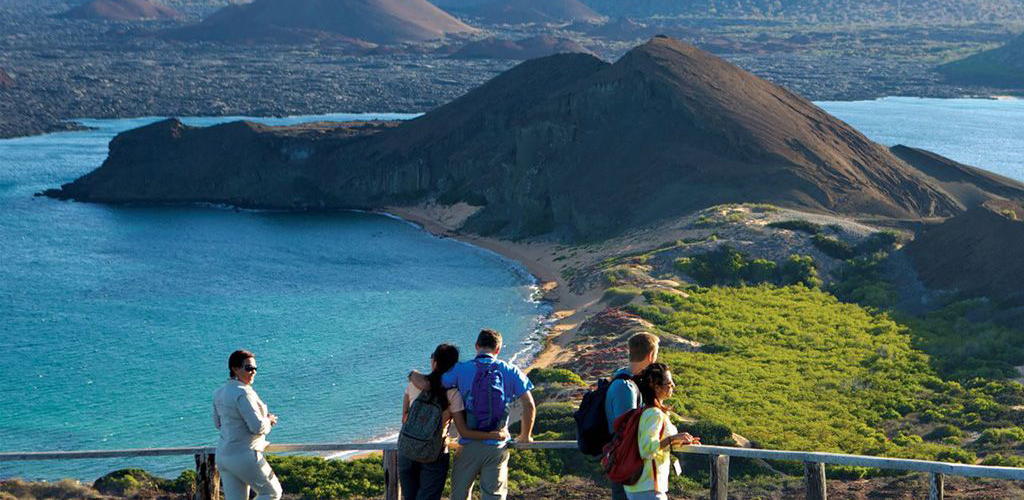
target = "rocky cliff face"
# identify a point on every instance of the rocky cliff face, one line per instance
(567, 144)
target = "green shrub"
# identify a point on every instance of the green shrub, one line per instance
(998, 460)
(799, 269)
(943, 431)
(554, 419)
(710, 432)
(1001, 436)
(833, 247)
(620, 296)
(798, 225)
(723, 265)
(862, 280)
(760, 271)
(882, 241)
(555, 376)
(185, 483)
(797, 370)
(124, 482)
(65, 489)
(316, 478)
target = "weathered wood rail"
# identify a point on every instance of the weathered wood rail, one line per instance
(814, 464)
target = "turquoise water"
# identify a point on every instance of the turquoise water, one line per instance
(985, 133)
(116, 322)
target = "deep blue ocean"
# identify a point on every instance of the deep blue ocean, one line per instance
(116, 322)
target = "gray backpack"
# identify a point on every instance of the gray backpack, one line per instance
(421, 438)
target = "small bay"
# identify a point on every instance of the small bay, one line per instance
(116, 322)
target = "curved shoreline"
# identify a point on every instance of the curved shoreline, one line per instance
(568, 309)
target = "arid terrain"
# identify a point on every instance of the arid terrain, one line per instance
(63, 69)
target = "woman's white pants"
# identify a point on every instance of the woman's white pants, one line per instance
(240, 471)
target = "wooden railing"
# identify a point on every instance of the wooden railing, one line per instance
(208, 485)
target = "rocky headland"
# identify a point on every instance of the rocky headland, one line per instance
(567, 145)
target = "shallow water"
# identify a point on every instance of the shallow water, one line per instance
(116, 322)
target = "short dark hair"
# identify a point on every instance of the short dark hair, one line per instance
(488, 339)
(237, 359)
(642, 345)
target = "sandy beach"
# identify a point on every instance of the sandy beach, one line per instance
(541, 259)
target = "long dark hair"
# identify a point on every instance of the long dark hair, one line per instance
(445, 357)
(647, 381)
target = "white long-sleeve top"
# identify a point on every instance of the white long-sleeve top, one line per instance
(241, 417)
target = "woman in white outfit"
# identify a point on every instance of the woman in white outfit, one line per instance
(244, 423)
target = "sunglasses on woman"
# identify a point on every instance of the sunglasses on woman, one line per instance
(249, 368)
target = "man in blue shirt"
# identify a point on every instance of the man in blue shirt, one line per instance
(623, 395)
(487, 459)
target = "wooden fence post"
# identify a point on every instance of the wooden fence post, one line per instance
(392, 488)
(207, 477)
(719, 477)
(814, 480)
(938, 487)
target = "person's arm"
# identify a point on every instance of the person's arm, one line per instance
(405, 406)
(459, 417)
(419, 380)
(648, 434)
(216, 417)
(529, 414)
(249, 408)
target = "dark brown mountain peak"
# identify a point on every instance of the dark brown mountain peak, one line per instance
(122, 10)
(377, 21)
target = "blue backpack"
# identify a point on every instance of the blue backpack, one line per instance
(486, 402)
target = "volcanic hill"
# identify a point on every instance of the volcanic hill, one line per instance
(121, 10)
(999, 67)
(976, 252)
(376, 21)
(527, 48)
(533, 11)
(568, 145)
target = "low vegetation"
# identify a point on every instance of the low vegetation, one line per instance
(728, 266)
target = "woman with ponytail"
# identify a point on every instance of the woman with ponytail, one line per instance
(656, 434)
(425, 480)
